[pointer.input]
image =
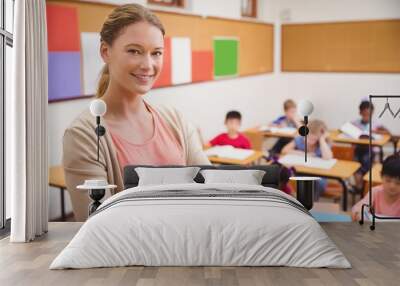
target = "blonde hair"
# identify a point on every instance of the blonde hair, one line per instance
(116, 21)
(317, 127)
(289, 104)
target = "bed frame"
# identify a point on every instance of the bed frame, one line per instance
(131, 178)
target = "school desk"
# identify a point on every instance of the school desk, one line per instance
(57, 180)
(341, 171)
(267, 133)
(336, 137)
(376, 177)
(252, 159)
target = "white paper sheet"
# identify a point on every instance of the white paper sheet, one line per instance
(284, 130)
(351, 130)
(229, 152)
(374, 136)
(92, 62)
(181, 60)
(312, 162)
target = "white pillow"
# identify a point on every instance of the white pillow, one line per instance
(162, 176)
(249, 177)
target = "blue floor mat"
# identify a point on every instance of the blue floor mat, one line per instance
(329, 217)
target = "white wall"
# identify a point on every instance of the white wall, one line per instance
(339, 10)
(227, 9)
(259, 98)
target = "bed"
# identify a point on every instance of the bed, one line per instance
(201, 224)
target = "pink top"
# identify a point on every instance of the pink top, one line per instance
(381, 206)
(162, 149)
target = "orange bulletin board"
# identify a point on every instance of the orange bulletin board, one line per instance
(255, 38)
(362, 46)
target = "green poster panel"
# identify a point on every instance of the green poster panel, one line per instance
(225, 57)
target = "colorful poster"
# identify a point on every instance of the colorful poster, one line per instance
(226, 54)
(202, 66)
(64, 61)
(181, 60)
(64, 75)
(62, 28)
(165, 77)
(92, 63)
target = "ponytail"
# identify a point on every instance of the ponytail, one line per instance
(103, 82)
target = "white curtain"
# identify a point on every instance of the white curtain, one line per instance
(26, 121)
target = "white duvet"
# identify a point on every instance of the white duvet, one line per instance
(192, 231)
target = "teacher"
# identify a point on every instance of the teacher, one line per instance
(132, 46)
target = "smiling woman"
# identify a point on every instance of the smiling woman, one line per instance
(132, 42)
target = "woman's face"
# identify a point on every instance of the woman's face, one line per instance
(135, 58)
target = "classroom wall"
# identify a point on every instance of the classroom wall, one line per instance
(259, 98)
(336, 95)
(338, 10)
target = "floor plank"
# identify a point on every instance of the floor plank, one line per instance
(375, 257)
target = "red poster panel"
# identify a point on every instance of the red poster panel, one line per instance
(202, 66)
(165, 78)
(62, 28)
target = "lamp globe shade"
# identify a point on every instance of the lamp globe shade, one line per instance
(305, 108)
(98, 107)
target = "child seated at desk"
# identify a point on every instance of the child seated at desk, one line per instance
(386, 197)
(361, 152)
(317, 145)
(290, 119)
(232, 137)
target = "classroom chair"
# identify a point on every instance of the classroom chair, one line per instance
(256, 140)
(334, 189)
(57, 180)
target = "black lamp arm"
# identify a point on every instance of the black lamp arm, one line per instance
(305, 138)
(303, 131)
(100, 131)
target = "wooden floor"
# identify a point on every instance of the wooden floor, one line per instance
(375, 257)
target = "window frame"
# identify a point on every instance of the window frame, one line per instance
(253, 13)
(6, 39)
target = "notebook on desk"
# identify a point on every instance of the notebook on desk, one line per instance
(284, 130)
(349, 130)
(363, 136)
(229, 152)
(312, 162)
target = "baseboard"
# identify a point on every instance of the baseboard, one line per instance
(68, 217)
